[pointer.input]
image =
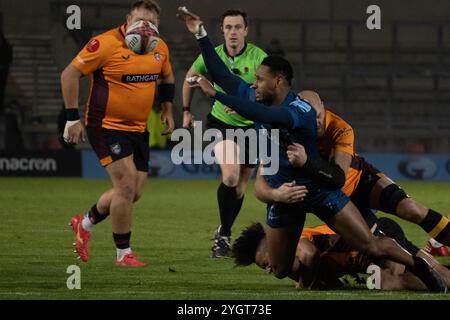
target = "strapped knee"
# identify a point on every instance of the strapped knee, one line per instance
(390, 197)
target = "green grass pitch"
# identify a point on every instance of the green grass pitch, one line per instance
(173, 226)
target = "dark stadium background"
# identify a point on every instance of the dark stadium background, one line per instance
(392, 85)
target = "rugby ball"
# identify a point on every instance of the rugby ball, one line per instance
(142, 37)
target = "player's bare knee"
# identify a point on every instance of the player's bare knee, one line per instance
(230, 180)
(126, 189)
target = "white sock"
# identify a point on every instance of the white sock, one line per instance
(121, 253)
(435, 244)
(87, 224)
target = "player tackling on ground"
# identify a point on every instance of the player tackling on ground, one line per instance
(280, 108)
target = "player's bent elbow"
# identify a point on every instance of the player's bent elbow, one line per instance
(340, 181)
(337, 182)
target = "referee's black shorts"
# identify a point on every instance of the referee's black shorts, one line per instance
(214, 123)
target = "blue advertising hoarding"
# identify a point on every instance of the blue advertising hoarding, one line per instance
(434, 167)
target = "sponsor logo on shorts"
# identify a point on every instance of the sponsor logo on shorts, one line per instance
(139, 78)
(116, 148)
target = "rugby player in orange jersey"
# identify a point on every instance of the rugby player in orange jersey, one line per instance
(367, 187)
(123, 86)
(324, 257)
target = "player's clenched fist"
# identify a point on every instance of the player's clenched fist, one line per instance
(74, 132)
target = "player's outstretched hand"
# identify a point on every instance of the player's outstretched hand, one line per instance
(202, 83)
(193, 22)
(229, 111)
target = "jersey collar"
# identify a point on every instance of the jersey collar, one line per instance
(238, 54)
(123, 30)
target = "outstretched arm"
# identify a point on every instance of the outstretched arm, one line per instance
(257, 111)
(219, 72)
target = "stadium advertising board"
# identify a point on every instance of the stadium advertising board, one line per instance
(41, 164)
(433, 167)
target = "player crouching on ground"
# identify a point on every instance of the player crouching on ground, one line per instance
(324, 257)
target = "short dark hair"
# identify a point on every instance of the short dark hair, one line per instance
(147, 4)
(244, 248)
(279, 65)
(234, 13)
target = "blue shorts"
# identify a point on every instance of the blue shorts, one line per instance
(323, 203)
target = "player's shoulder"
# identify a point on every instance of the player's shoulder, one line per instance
(220, 49)
(300, 104)
(337, 128)
(109, 38)
(255, 50)
(162, 46)
(336, 121)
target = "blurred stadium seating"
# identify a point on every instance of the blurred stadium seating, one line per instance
(392, 85)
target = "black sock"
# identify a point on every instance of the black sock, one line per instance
(226, 197)
(122, 241)
(96, 216)
(437, 226)
(237, 208)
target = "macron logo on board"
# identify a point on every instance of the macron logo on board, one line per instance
(28, 164)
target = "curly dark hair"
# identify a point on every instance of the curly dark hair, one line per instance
(244, 248)
(279, 65)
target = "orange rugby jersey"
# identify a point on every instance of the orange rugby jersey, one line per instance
(338, 257)
(339, 136)
(309, 233)
(123, 83)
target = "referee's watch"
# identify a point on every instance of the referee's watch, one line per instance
(188, 109)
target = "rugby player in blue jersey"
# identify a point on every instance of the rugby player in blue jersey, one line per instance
(278, 107)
